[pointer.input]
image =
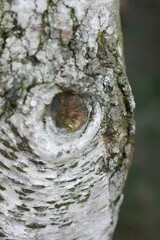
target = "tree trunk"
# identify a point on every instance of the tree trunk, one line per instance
(66, 125)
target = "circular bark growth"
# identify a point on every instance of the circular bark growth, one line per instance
(69, 111)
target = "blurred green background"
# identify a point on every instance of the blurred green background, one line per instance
(140, 212)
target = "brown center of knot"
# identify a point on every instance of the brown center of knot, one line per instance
(69, 111)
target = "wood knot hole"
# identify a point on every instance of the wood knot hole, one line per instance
(69, 111)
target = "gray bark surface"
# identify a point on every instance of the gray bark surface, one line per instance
(57, 184)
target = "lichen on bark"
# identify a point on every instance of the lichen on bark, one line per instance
(54, 183)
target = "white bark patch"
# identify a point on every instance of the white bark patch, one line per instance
(80, 7)
(24, 10)
(41, 6)
(17, 50)
(63, 23)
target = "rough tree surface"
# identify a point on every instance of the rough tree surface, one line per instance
(62, 177)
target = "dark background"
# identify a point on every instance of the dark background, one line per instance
(140, 213)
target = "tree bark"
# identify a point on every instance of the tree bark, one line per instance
(66, 119)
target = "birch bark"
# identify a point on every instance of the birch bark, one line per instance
(62, 180)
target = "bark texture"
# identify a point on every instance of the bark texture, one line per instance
(57, 184)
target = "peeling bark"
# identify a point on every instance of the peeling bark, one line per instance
(62, 182)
